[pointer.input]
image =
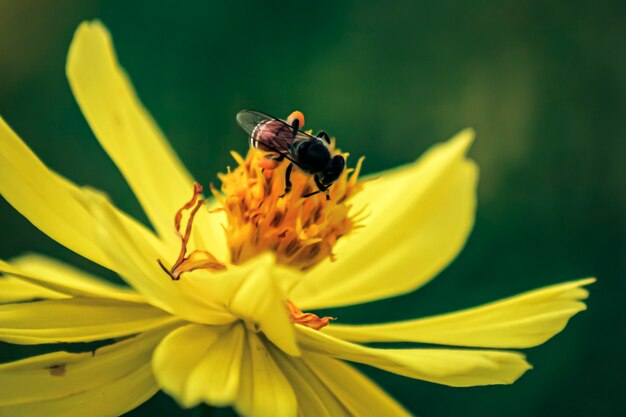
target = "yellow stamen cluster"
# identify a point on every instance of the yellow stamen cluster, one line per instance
(300, 231)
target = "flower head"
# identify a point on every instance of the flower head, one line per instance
(301, 232)
(218, 307)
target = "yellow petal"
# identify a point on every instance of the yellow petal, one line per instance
(253, 293)
(259, 300)
(105, 383)
(522, 321)
(263, 391)
(130, 136)
(14, 290)
(215, 378)
(357, 393)
(136, 259)
(222, 365)
(315, 398)
(76, 320)
(177, 356)
(37, 194)
(457, 368)
(419, 218)
(50, 202)
(57, 277)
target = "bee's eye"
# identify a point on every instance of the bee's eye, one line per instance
(333, 170)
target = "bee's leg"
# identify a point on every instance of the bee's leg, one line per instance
(320, 188)
(295, 125)
(323, 188)
(323, 135)
(287, 180)
(277, 158)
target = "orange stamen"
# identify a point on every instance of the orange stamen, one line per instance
(307, 319)
(197, 259)
(195, 200)
(268, 163)
(301, 231)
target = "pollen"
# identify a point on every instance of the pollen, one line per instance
(301, 231)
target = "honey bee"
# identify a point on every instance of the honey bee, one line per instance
(284, 139)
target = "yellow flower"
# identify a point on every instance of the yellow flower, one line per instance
(223, 323)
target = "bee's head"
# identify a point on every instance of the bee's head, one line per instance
(313, 156)
(333, 170)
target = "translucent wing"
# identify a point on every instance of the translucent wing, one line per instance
(300, 135)
(249, 119)
(270, 134)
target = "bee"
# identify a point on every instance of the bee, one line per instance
(285, 140)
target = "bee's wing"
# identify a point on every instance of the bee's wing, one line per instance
(300, 136)
(249, 119)
(280, 142)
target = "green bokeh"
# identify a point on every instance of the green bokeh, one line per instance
(543, 83)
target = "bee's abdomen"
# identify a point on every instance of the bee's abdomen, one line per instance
(272, 136)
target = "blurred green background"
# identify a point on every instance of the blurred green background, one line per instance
(543, 83)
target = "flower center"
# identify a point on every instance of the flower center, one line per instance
(299, 225)
(300, 230)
